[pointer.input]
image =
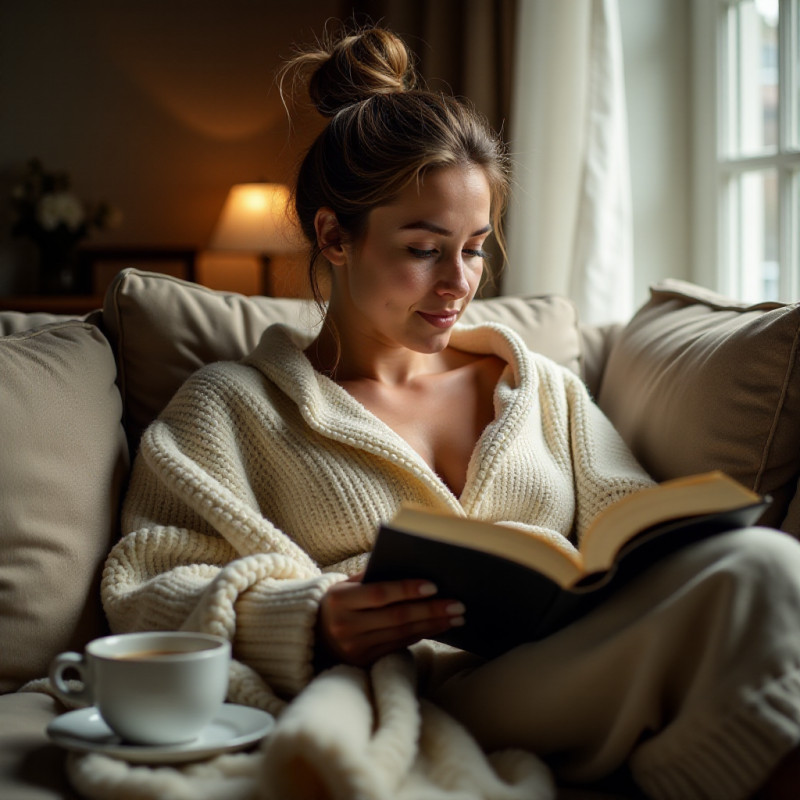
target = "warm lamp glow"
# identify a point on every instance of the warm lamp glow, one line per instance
(257, 218)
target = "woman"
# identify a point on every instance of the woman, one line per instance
(256, 496)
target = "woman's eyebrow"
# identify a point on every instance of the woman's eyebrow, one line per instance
(424, 225)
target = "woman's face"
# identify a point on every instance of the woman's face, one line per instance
(408, 279)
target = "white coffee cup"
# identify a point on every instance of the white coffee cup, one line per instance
(156, 688)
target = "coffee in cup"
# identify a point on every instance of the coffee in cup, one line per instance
(155, 688)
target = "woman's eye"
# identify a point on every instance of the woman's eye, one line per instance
(419, 252)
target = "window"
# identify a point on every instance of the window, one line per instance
(747, 147)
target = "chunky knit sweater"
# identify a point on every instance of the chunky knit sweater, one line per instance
(263, 482)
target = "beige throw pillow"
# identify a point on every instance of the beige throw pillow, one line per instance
(697, 382)
(164, 328)
(62, 464)
(548, 324)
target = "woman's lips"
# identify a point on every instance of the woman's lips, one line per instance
(440, 319)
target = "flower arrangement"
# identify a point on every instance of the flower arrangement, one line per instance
(50, 214)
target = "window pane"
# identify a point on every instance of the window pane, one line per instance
(755, 235)
(754, 78)
(794, 135)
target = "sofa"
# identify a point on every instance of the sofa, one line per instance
(693, 382)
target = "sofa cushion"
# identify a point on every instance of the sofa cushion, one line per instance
(31, 766)
(63, 460)
(548, 324)
(164, 328)
(597, 342)
(697, 382)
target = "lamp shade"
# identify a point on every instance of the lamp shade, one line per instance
(257, 218)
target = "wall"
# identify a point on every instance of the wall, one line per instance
(159, 106)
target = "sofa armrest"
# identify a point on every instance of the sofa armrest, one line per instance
(30, 765)
(19, 321)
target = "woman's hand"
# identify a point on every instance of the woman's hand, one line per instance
(360, 622)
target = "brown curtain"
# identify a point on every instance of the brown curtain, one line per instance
(463, 46)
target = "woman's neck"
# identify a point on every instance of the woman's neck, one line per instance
(350, 355)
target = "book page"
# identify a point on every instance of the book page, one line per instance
(671, 500)
(546, 551)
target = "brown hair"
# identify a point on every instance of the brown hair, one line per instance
(384, 132)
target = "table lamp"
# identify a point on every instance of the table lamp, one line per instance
(258, 220)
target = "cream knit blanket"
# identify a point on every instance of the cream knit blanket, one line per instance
(351, 735)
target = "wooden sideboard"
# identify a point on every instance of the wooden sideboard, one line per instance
(72, 305)
(96, 268)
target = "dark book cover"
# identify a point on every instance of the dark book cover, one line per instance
(507, 603)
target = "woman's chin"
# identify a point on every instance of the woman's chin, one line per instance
(430, 344)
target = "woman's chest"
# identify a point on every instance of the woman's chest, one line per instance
(444, 435)
(330, 494)
(441, 418)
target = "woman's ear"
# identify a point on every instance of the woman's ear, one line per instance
(329, 236)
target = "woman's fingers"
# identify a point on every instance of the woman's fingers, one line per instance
(354, 595)
(363, 641)
(361, 622)
(379, 642)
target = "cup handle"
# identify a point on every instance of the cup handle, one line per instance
(61, 663)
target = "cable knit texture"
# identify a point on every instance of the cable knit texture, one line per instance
(264, 482)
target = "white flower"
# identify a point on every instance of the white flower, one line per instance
(60, 208)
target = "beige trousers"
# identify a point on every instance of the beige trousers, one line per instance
(689, 676)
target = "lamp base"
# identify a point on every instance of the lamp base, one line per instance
(267, 279)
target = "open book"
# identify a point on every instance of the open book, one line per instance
(520, 585)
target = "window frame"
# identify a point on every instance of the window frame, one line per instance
(713, 232)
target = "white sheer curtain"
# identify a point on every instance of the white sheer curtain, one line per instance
(569, 222)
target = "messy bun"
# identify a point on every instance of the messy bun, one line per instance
(359, 66)
(383, 132)
(351, 68)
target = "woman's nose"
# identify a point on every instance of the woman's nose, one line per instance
(453, 278)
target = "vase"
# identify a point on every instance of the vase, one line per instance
(58, 272)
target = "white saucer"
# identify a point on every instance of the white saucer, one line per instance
(233, 728)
